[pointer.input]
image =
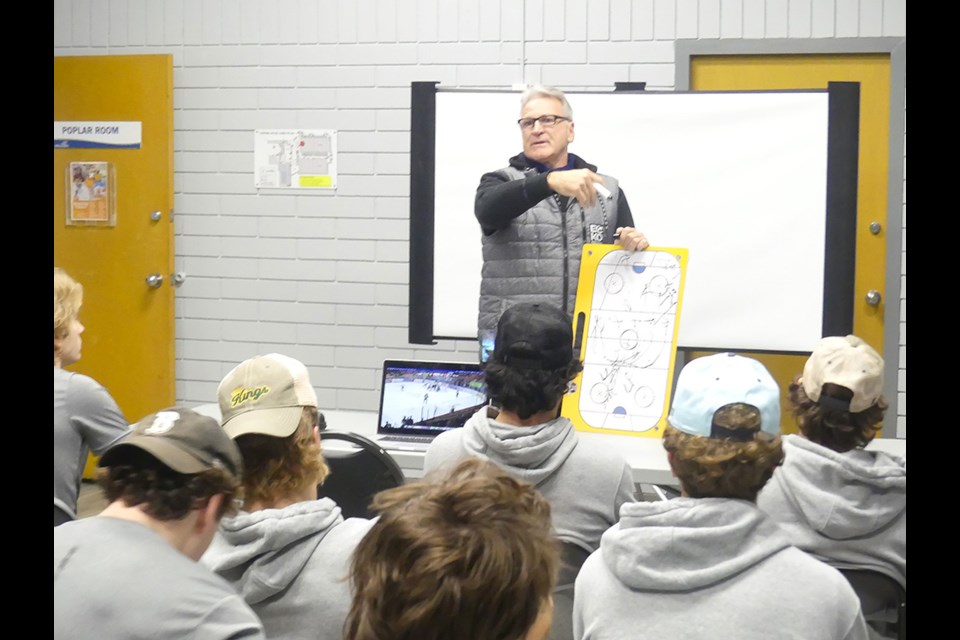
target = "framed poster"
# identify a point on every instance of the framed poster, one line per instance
(90, 194)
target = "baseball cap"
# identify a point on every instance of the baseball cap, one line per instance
(184, 440)
(849, 362)
(533, 336)
(265, 395)
(709, 383)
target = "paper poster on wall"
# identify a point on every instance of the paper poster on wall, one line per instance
(295, 159)
(90, 194)
(626, 321)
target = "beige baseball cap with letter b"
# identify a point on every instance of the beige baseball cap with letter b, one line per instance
(265, 395)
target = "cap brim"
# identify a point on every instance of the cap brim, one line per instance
(278, 422)
(164, 450)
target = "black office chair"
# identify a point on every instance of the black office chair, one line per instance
(572, 557)
(357, 473)
(882, 600)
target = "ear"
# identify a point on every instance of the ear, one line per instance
(570, 134)
(316, 435)
(207, 519)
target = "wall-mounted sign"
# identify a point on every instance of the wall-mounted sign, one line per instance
(96, 135)
(286, 158)
(91, 194)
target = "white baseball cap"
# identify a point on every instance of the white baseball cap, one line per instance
(848, 362)
(709, 383)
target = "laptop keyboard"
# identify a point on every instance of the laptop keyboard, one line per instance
(402, 438)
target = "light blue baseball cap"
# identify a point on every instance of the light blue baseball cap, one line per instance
(708, 383)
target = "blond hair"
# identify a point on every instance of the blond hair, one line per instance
(67, 299)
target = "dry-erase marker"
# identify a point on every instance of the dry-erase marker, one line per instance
(602, 190)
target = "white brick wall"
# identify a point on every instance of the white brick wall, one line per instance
(323, 276)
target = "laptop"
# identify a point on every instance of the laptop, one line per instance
(420, 400)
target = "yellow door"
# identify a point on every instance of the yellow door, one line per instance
(128, 345)
(814, 71)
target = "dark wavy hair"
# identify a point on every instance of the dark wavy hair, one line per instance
(469, 554)
(528, 391)
(721, 468)
(138, 478)
(835, 429)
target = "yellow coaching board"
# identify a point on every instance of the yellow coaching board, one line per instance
(625, 323)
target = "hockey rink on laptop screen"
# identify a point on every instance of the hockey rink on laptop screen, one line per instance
(430, 399)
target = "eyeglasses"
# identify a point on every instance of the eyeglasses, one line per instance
(545, 121)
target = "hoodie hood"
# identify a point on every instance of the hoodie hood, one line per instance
(532, 453)
(261, 553)
(688, 543)
(842, 495)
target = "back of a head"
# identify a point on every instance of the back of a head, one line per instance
(543, 91)
(724, 426)
(269, 407)
(533, 359)
(171, 462)
(67, 299)
(838, 401)
(469, 554)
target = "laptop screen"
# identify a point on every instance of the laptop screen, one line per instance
(427, 398)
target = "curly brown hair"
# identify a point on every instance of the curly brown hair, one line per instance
(721, 468)
(470, 554)
(835, 429)
(277, 467)
(137, 478)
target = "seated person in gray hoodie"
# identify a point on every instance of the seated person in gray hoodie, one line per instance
(286, 552)
(527, 375)
(131, 572)
(465, 555)
(710, 564)
(845, 505)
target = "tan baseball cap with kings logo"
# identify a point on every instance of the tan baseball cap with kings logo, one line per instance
(265, 395)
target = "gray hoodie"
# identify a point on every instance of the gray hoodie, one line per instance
(291, 566)
(585, 482)
(848, 509)
(708, 568)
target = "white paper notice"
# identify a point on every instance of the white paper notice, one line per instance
(295, 159)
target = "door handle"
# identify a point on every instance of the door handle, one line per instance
(154, 280)
(873, 297)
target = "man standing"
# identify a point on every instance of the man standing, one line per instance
(131, 571)
(537, 213)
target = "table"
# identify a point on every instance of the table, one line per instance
(646, 456)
